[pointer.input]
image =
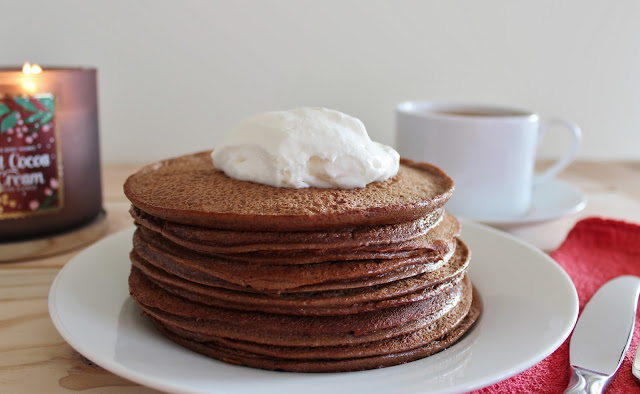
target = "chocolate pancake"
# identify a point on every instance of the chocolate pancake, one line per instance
(434, 242)
(443, 322)
(230, 241)
(310, 280)
(211, 271)
(334, 302)
(281, 329)
(418, 344)
(189, 190)
(289, 330)
(215, 271)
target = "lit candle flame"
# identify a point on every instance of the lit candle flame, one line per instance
(29, 68)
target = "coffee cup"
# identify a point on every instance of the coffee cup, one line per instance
(489, 151)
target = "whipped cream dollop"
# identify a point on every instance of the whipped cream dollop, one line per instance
(305, 147)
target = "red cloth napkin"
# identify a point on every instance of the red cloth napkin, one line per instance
(595, 251)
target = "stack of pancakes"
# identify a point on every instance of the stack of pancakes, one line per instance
(310, 280)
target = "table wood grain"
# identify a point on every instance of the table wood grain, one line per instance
(35, 359)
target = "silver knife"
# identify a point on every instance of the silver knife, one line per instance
(602, 335)
(635, 367)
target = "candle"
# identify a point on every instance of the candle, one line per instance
(49, 151)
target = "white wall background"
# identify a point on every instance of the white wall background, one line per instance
(175, 76)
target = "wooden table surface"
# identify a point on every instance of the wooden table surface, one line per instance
(35, 359)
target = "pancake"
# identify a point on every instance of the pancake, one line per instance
(201, 268)
(305, 280)
(290, 330)
(334, 302)
(230, 241)
(434, 242)
(403, 342)
(189, 190)
(408, 347)
(212, 271)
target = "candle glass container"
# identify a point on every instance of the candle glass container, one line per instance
(49, 152)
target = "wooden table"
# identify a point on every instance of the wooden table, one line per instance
(35, 359)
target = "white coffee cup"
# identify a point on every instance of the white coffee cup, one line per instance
(489, 151)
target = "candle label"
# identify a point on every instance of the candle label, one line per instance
(30, 159)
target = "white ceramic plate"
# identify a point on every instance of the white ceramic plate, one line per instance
(530, 307)
(550, 200)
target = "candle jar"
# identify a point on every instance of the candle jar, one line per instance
(49, 152)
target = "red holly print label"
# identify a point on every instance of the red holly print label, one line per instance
(30, 162)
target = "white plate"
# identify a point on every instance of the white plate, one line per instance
(550, 200)
(530, 307)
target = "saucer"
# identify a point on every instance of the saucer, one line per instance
(550, 200)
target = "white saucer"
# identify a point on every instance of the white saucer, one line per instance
(550, 200)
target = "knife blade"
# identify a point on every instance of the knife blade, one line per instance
(602, 335)
(635, 367)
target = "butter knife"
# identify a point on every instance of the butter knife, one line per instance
(602, 335)
(635, 367)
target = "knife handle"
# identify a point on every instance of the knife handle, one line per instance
(586, 382)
